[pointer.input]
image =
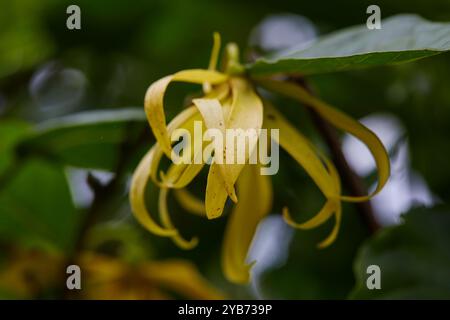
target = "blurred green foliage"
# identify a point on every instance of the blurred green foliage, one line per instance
(414, 258)
(121, 49)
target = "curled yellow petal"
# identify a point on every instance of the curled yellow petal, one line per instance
(180, 175)
(180, 277)
(318, 167)
(154, 100)
(167, 222)
(137, 198)
(189, 202)
(255, 192)
(213, 59)
(338, 210)
(299, 147)
(324, 214)
(332, 205)
(211, 111)
(245, 117)
(184, 120)
(344, 122)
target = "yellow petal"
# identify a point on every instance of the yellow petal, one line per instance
(318, 167)
(334, 233)
(180, 277)
(213, 60)
(255, 192)
(154, 100)
(180, 175)
(148, 168)
(184, 120)
(343, 122)
(101, 268)
(211, 111)
(246, 113)
(189, 202)
(166, 221)
(137, 197)
(333, 205)
(338, 210)
(324, 214)
(299, 147)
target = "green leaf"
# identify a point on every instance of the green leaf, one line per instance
(24, 41)
(11, 132)
(403, 38)
(89, 139)
(414, 258)
(37, 208)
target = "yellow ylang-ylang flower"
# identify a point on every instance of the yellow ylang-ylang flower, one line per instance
(31, 273)
(110, 278)
(231, 102)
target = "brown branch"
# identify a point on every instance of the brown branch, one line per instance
(103, 194)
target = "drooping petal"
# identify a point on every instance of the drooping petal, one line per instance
(189, 202)
(213, 59)
(299, 147)
(211, 111)
(255, 193)
(318, 167)
(245, 119)
(154, 100)
(137, 197)
(323, 215)
(185, 120)
(180, 175)
(338, 210)
(343, 122)
(167, 222)
(180, 277)
(332, 205)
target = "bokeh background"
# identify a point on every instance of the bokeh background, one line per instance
(54, 168)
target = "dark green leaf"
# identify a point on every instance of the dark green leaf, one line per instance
(11, 132)
(414, 258)
(89, 139)
(37, 208)
(403, 38)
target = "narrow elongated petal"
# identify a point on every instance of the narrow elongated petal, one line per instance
(212, 114)
(318, 167)
(244, 117)
(180, 175)
(255, 192)
(213, 59)
(189, 202)
(180, 277)
(137, 198)
(338, 212)
(332, 205)
(184, 120)
(147, 168)
(299, 147)
(343, 122)
(154, 100)
(167, 222)
(323, 215)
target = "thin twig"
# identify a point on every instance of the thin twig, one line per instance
(102, 196)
